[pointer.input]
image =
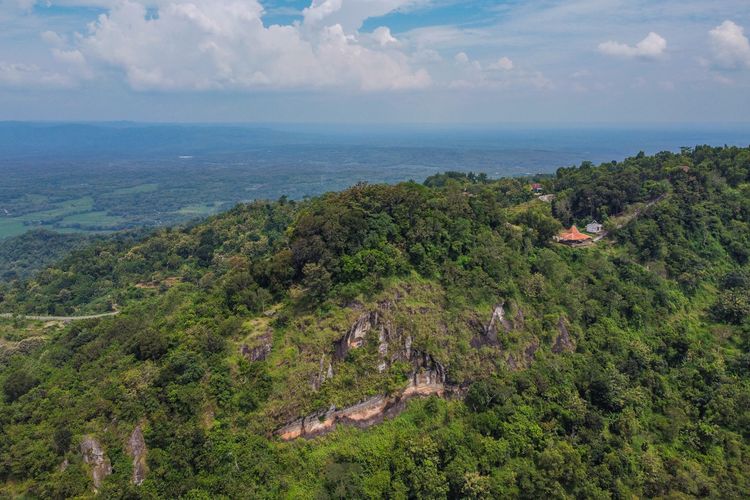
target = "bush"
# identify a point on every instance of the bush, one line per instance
(17, 384)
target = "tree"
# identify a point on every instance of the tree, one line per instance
(62, 438)
(18, 383)
(317, 280)
(150, 344)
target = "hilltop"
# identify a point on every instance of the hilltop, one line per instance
(484, 359)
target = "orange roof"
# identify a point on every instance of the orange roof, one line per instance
(573, 235)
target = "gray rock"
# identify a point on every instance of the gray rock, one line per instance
(563, 342)
(260, 351)
(355, 337)
(136, 447)
(93, 455)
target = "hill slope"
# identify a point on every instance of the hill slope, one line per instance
(497, 362)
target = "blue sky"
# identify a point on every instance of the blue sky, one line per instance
(376, 61)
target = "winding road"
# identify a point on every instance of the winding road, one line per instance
(59, 318)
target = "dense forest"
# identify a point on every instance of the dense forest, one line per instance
(400, 341)
(21, 256)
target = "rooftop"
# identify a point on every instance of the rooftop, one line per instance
(573, 234)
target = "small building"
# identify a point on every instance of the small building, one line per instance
(594, 227)
(536, 187)
(573, 237)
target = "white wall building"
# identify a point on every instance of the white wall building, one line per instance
(594, 227)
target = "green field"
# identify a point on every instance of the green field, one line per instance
(61, 210)
(200, 209)
(140, 188)
(69, 216)
(11, 227)
(97, 219)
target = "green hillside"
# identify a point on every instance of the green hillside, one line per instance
(400, 341)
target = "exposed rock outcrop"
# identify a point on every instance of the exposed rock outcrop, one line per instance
(136, 448)
(427, 371)
(530, 352)
(260, 350)
(523, 359)
(355, 336)
(564, 342)
(323, 374)
(364, 414)
(383, 350)
(393, 344)
(498, 320)
(428, 377)
(93, 455)
(519, 322)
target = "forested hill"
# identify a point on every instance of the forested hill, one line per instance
(253, 348)
(21, 256)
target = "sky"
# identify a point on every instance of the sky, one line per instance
(376, 61)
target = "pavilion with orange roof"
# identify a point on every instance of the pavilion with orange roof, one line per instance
(573, 236)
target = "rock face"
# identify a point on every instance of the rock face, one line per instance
(428, 377)
(524, 358)
(563, 342)
(519, 322)
(355, 337)
(261, 350)
(93, 455)
(322, 375)
(497, 321)
(364, 414)
(427, 372)
(530, 352)
(136, 447)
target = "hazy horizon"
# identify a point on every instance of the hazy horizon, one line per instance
(375, 61)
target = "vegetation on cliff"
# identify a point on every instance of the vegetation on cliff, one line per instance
(612, 371)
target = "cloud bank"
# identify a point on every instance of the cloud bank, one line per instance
(730, 46)
(651, 47)
(223, 44)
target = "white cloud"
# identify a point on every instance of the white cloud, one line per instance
(223, 44)
(320, 9)
(52, 38)
(350, 14)
(30, 75)
(426, 56)
(496, 75)
(651, 47)
(504, 63)
(383, 37)
(462, 58)
(730, 46)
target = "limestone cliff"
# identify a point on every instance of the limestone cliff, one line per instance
(136, 448)
(93, 455)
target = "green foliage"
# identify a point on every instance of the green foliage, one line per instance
(228, 329)
(18, 383)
